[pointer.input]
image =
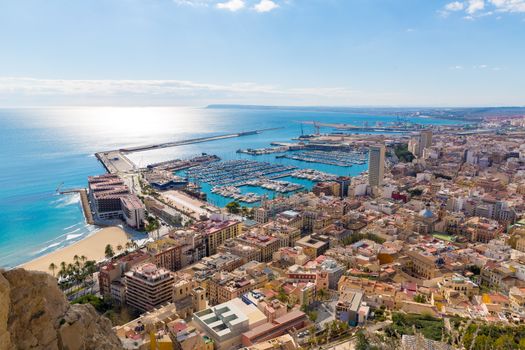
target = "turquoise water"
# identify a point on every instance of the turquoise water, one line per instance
(44, 147)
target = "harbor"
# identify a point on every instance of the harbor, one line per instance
(181, 164)
(274, 185)
(249, 181)
(116, 161)
(337, 158)
(234, 172)
(313, 175)
(235, 193)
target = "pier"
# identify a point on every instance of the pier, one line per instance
(115, 161)
(191, 141)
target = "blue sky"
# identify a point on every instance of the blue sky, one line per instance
(281, 52)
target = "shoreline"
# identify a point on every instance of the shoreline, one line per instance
(92, 247)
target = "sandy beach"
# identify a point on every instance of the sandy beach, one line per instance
(92, 247)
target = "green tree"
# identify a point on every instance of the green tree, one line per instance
(361, 341)
(108, 251)
(313, 315)
(233, 207)
(483, 342)
(282, 296)
(505, 342)
(420, 298)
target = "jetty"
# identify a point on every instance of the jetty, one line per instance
(115, 161)
(194, 140)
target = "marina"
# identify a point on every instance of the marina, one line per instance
(181, 164)
(275, 185)
(337, 158)
(313, 175)
(235, 193)
(235, 172)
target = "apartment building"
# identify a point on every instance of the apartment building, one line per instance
(148, 286)
(216, 231)
(266, 245)
(224, 286)
(133, 211)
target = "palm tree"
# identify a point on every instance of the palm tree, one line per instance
(52, 268)
(108, 252)
(62, 269)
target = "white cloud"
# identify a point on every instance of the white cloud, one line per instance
(456, 67)
(162, 89)
(454, 6)
(474, 9)
(231, 5)
(474, 6)
(265, 6)
(509, 5)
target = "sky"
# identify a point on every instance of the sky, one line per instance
(273, 52)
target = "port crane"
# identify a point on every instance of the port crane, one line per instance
(317, 128)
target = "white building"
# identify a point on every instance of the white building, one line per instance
(133, 211)
(225, 323)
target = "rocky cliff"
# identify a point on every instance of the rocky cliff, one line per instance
(34, 314)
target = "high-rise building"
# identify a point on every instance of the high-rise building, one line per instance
(376, 165)
(148, 286)
(425, 141)
(426, 138)
(344, 182)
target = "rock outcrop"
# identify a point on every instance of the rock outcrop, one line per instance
(5, 339)
(34, 314)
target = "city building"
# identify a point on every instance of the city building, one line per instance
(110, 199)
(113, 270)
(105, 193)
(225, 323)
(217, 230)
(223, 286)
(314, 245)
(348, 307)
(292, 320)
(376, 165)
(148, 287)
(425, 141)
(133, 210)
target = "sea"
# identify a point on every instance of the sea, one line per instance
(46, 149)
